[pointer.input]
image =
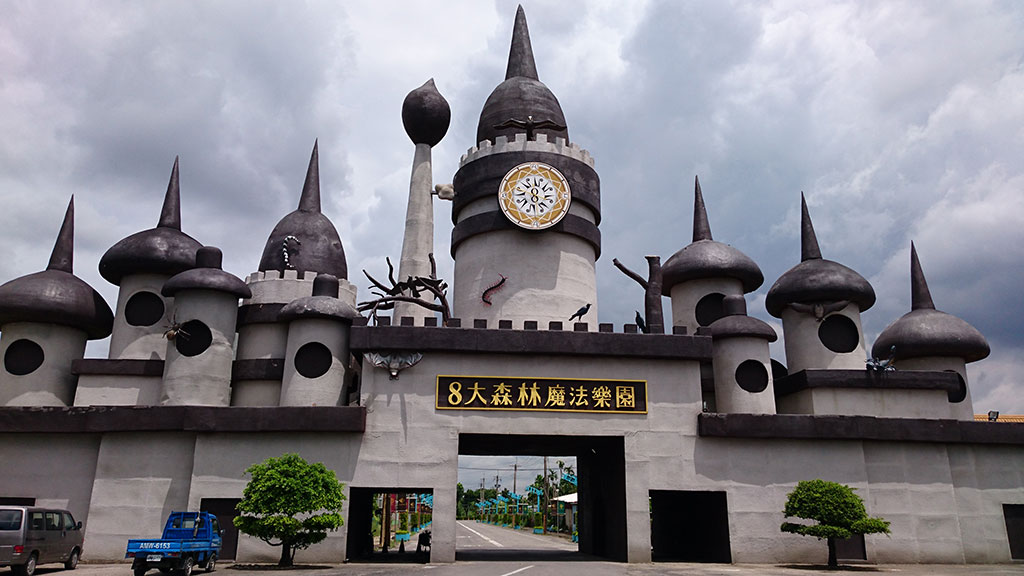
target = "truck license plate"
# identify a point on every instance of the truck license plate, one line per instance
(154, 558)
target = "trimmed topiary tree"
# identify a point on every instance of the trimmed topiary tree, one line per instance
(283, 488)
(839, 513)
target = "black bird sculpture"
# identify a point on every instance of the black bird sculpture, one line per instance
(580, 313)
(640, 322)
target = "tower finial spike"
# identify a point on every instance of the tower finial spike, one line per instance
(701, 227)
(62, 257)
(170, 214)
(310, 199)
(920, 296)
(520, 55)
(808, 241)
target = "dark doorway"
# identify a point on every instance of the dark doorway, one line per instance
(601, 496)
(388, 524)
(224, 510)
(689, 526)
(1014, 516)
(16, 501)
(851, 549)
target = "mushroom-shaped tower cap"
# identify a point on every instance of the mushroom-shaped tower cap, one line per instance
(426, 115)
(207, 275)
(815, 279)
(306, 240)
(161, 250)
(324, 303)
(736, 323)
(706, 258)
(56, 295)
(522, 96)
(925, 331)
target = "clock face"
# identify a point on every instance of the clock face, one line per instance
(534, 196)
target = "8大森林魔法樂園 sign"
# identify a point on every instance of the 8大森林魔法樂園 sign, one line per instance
(541, 394)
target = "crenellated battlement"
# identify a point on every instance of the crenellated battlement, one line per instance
(521, 144)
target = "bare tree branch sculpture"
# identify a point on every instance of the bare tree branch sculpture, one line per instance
(414, 285)
(653, 312)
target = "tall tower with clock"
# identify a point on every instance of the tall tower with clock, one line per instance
(526, 209)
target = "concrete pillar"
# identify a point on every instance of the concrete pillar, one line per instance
(140, 334)
(687, 295)
(419, 232)
(36, 368)
(205, 378)
(740, 364)
(318, 347)
(806, 349)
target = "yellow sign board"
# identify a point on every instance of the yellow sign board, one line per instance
(515, 393)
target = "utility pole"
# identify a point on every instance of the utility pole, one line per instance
(544, 515)
(515, 471)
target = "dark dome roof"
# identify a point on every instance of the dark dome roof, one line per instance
(522, 95)
(815, 279)
(706, 258)
(426, 114)
(324, 303)
(313, 244)
(207, 275)
(55, 295)
(925, 331)
(161, 250)
(737, 323)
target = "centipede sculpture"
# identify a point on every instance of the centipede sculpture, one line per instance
(486, 296)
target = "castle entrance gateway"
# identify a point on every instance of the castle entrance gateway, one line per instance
(601, 482)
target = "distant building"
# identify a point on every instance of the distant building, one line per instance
(686, 442)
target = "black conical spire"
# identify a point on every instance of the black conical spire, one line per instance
(808, 241)
(701, 227)
(520, 55)
(62, 257)
(310, 199)
(170, 214)
(920, 296)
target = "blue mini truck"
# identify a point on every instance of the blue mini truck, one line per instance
(190, 539)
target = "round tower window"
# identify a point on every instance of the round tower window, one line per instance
(192, 338)
(709, 309)
(143, 309)
(752, 376)
(961, 389)
(313, 360)
(23, 357)
(839, 334)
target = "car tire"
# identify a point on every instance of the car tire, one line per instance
(186, 568)
(211, 564)
(72, 561)
(28, 568)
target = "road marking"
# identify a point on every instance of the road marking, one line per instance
(518, 571)
(498, 544)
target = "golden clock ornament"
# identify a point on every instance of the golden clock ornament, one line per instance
(534, 195)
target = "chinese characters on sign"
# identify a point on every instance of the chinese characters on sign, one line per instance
(541, 394)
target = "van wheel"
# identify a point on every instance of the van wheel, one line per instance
(211, 564)
(72, 561)
(186, 568)
(26, 569)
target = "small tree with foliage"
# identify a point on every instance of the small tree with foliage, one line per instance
(839, 513)
(290, 503)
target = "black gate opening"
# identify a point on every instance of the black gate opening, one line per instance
(1013, 514)
(601, 491)
(224, 510)
(689, 526)
(391, 525)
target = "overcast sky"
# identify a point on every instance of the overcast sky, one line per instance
(900, 121)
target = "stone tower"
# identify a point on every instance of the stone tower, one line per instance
(45, 320)
(703, 273)
(527, 207)
(929, 339)
(139, 265)
(820, 302)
